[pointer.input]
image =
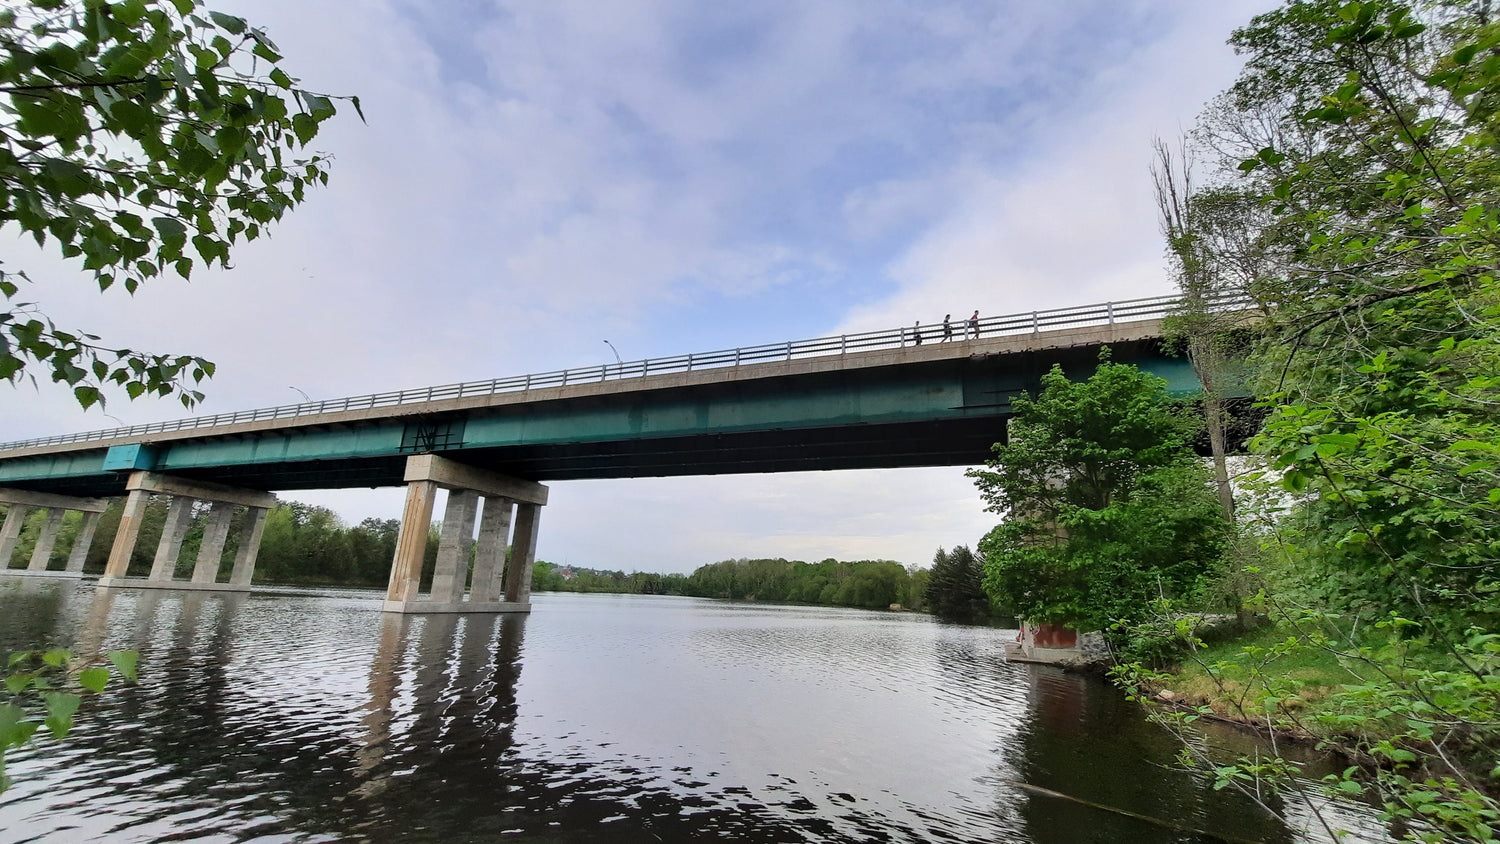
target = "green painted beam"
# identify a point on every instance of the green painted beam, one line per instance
(902, 399)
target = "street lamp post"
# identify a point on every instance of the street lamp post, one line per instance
(620, 373)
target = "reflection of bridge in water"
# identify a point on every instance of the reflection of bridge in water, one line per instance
(311, 716)
(876, 400)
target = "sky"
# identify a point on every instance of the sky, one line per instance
(675, 176)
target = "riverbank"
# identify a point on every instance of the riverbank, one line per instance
(1246, 677)
(1265, 680)
(1413, 717)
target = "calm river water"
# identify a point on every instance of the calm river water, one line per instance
(309, 715)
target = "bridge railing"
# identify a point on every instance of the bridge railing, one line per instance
(1031, 322)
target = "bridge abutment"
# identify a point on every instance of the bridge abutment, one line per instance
(493, 584)
(20, 505)
(185, 494)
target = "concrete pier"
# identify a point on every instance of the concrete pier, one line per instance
(212, 548)
(488, 583)
(223, 502)
(452, 573)
(494, 585)
(163, 568)
(46, 540)
(21, 503)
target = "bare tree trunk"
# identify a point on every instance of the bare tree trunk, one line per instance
(1213, 410)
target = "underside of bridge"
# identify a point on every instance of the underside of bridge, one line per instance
(932, 407)
(944, 412)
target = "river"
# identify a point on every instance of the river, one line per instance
(309, 715)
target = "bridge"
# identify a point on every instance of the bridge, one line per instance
(898, 398)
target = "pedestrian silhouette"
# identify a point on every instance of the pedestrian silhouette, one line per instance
(947, 328)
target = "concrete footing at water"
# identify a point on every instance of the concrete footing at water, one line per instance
(1055, 644)
(178, 585)
(60, 575)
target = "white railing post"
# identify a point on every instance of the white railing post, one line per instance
(1135, 309)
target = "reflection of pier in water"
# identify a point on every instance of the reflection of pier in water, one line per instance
(441, 704)
(467, 698)
(320, 717)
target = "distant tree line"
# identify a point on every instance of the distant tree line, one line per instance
(309, 545)
(302, 544)
(862, 583)
(876, 584)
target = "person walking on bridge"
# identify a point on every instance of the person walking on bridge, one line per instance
(972, 326)
(947, 328)
(917, 332)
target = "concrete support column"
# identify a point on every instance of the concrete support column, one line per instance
(244, 559)
(522, 553)
(82, 543)
(452, 572)
(489, 554)
(10, 533)
(47, 540)
(125, 537)
(163, 568)
(411, 542)
(184, 492)
(22, 502)
(212, 548)
(427, 473)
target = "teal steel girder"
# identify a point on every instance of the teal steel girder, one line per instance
(946, 412)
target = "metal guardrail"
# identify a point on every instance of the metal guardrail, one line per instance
(1032, 322)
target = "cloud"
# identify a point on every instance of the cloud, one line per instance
(677, 176)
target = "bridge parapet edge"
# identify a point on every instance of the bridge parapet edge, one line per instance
(935, 350)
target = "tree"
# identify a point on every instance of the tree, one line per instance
(1367, 133)
(1381, 177)
(955, 590)
(1215, 253)
(141, 137)
(1106, 505)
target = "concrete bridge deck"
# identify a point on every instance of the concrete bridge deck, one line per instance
(883, 399)
(934, 404)
(816, 407)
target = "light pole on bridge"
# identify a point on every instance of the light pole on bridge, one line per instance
(621, 372)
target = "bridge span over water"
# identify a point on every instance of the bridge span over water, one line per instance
(896, 398)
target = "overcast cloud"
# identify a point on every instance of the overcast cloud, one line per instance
(678, 176)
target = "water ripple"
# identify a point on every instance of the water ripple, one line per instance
(308, 715)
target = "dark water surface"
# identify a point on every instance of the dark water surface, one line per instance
(311, 716)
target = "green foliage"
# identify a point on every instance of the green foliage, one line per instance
(141, 137)
(547, 577)
(1106, 505)
(955, 588)
(1382, 361)
(873, 584)
(50, 685)
(1367, 134)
